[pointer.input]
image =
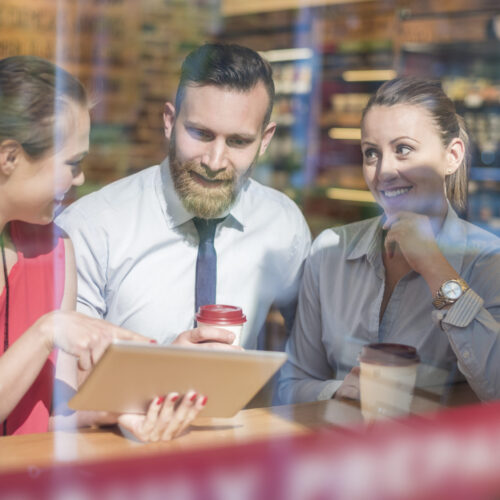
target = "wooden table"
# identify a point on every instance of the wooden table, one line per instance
(265, 453)
(38, 450)
(248, 425)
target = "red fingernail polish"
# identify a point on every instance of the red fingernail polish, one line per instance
(174, 398)
(204, 401)
(153, 341)
(193, 397)
(160, 400)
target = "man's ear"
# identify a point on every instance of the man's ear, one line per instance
(266, 137)
(168, 119)
(455, 152)
(10, 152)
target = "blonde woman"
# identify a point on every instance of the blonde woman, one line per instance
(417, 275)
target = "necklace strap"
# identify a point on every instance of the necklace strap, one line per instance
(7, 297)
(6, 279)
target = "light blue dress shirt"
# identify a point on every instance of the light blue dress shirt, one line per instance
(136, 248)
(339, 308)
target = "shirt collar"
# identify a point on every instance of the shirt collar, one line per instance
(237, 210)
(174, 210)
(171, 205)
(369, 243)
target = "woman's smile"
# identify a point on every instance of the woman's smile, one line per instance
(395, 192)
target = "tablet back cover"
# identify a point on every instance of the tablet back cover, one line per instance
(130, 375)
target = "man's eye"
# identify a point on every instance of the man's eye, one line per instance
(238, 142)
(199, 134)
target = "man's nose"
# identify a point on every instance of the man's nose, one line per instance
(215, 158)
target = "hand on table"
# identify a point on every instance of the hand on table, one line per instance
(350, 386)
(208, 337)
(165, 419)
(84, 337)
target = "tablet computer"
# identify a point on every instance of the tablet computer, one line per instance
(130, 374)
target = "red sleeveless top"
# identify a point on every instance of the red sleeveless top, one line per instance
(36, 286)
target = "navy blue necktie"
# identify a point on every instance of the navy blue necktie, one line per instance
(206, 262)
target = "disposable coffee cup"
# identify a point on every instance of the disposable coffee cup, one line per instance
(387, 379)
(223, 316)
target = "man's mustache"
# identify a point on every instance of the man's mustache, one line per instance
(203, 171)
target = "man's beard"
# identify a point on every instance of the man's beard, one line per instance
(202, 201)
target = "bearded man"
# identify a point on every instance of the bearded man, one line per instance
(138, 240)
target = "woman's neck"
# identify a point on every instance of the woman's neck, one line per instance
(438, 217)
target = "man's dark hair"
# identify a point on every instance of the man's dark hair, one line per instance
(225, 65)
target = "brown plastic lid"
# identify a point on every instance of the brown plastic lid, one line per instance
(220, 314)
(389, 354)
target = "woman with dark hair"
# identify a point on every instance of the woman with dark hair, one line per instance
(417, 275)
(44, 136)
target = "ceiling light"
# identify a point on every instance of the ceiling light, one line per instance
(349, 134)
(350, 195)
(295, 54)
(369, 75)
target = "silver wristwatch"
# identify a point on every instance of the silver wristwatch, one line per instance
(449, 292)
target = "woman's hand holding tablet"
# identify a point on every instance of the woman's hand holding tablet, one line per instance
(166, 417)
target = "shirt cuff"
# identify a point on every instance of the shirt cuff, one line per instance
(329, 390)
(461, 314)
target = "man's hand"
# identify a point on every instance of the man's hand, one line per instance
(209, 337)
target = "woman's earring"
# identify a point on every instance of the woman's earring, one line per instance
(448, 171)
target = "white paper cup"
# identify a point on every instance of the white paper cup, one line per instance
(387, 378)
(223, 316)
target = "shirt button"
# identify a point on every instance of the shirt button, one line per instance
(466, 354)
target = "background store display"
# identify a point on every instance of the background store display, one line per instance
(453, 41)
(324, 57)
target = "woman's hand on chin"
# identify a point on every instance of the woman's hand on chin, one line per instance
(166, 418)
(414, 236)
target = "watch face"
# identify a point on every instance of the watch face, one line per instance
(451, 290)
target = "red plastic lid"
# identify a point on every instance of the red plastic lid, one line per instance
(220, 314)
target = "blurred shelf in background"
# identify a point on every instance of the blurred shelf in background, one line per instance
(354, 47)
(328, 57)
